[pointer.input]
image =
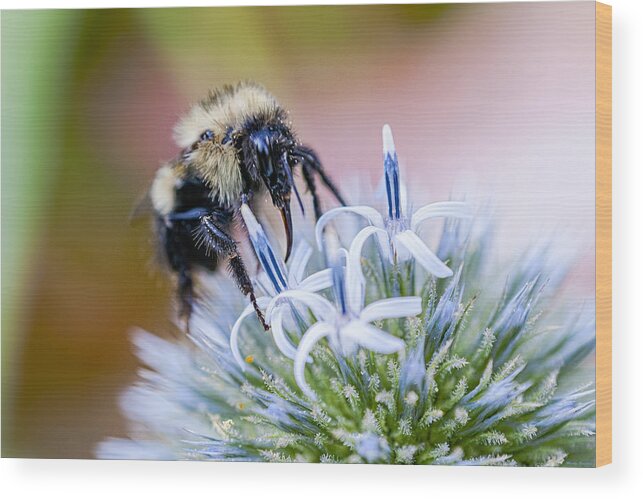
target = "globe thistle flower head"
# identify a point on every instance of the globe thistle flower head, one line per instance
(389, 352)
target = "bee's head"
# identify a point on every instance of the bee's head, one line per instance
(238, 140)
(270, 148)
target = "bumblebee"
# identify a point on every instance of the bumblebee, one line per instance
(236, 143)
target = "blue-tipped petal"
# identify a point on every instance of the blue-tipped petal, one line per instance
(272, 266)
(391, 174)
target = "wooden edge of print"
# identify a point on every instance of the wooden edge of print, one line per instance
(603, 234)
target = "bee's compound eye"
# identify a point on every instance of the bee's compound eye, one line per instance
(228, 136)
(207, 135)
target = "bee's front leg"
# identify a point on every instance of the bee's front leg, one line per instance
(310, 165)
(217, 240)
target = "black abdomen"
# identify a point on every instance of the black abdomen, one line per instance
(181, 250)
(178, 235)
(193, 200)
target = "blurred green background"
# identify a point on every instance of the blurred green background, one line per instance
(89, 98)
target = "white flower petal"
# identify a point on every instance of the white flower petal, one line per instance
(354, 275)
(298, 261)
(370, 214)
(370, 337)
(391, 308)
(279, 335)
(456, 209)
(317, 281)
(234, 334)
(404, 198)
(306, 345)
(320, 306)
(422, 254)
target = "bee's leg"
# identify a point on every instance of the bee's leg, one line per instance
(309, 178)
(310, 161)
(216, 240)
(240, 275)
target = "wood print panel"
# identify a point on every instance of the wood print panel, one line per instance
(493, 242)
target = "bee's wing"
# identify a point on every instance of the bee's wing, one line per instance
(142, 207)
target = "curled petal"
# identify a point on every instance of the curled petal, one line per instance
(422, 254)
(369, 337)
(320, 306)
(317, 281)
(308, 341)
(279, 335)
(298, 261)
(392, 308)
(456, 209)
(234, 334)
(354, 275)
(370, 214)
(342, 256)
